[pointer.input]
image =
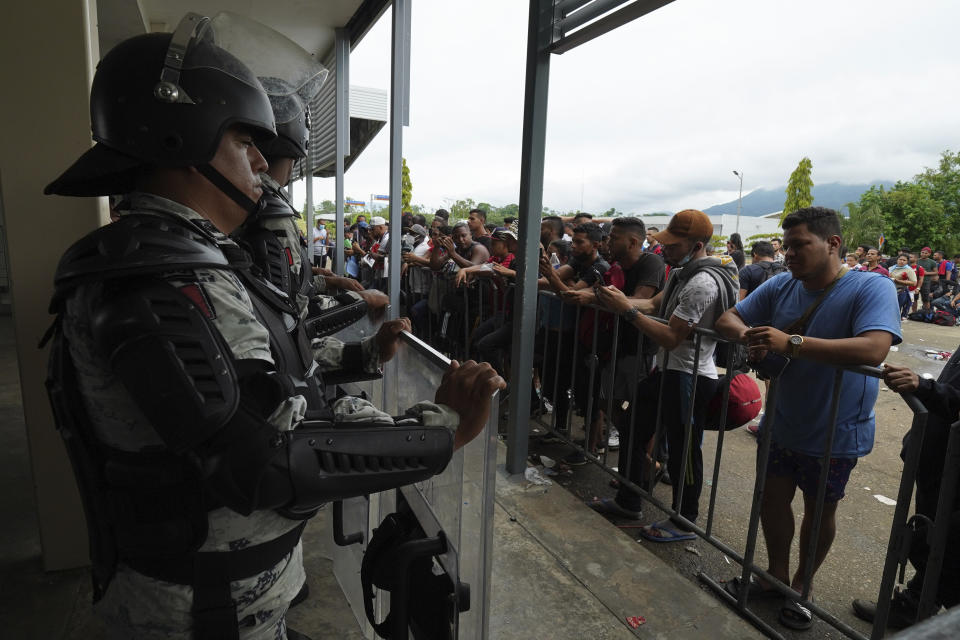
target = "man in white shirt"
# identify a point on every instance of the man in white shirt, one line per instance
(319, 244)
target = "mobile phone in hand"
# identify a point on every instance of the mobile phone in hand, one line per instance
(772, 365)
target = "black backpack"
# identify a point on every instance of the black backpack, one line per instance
(773, 269)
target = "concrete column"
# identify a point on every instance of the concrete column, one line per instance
(49, 49)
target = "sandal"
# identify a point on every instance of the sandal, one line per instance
(756, 591)
(664, 532)
(795, 616)
(609, 507)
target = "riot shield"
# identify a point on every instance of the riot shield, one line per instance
(459, 502)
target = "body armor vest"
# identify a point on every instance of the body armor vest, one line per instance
(147, 506)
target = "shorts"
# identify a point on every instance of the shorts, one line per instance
(805, 471)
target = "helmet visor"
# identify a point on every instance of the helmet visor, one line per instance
(268, 54)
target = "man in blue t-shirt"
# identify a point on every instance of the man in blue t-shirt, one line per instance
(855, 324)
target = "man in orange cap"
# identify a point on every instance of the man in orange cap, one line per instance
(698, 291)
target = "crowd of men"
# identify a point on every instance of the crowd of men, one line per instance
(795, 303)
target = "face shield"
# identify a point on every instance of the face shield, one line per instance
(291, 77)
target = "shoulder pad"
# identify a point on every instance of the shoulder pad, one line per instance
(274, 204)
(136, 245)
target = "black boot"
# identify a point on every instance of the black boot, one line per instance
(302, 595)
(903, 609)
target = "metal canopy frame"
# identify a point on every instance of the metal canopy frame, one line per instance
(555, 27)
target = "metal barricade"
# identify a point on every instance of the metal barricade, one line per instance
(588, 359)
(459, 502)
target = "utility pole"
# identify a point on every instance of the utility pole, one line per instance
(739, 174)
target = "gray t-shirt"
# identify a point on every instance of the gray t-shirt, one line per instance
(695, 305)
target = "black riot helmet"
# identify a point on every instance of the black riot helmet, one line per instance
(293, 123)
(166, 100)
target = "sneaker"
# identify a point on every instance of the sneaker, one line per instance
(613, 440)
(903, 610)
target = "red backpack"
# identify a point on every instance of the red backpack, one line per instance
(944, 318)
(743, 405)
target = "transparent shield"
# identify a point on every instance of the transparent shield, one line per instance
(360, 515)
(458, 502)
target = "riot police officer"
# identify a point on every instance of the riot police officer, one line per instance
(181, 381)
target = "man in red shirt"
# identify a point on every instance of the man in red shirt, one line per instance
(495, 334)
(873, 262)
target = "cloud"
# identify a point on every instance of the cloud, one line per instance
(656, 115)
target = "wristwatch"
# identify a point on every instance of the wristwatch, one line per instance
(795, 342)
(630, 314)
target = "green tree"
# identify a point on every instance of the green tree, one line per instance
(509, 210)
(799, 188)
(862, 224)
(943, 183)
(406, 186)
(757, 237)
(913, 218)
(461, 209)
(327, 206)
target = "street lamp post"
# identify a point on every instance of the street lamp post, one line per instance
(739, 174)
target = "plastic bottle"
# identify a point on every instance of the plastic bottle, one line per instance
(554, 260)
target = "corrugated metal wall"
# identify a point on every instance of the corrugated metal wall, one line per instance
(368, 114)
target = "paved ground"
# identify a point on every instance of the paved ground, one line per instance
(854, 567)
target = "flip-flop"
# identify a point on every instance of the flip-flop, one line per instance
(756, 591)
(795, 616)
(609, 507)
(665, 533)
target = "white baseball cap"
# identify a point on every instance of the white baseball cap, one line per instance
(375, 220)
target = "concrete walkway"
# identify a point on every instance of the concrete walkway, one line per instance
(559, 571)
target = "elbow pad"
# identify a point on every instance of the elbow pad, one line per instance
(325, 462)
(324, 322)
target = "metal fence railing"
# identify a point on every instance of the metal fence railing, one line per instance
(582, 362)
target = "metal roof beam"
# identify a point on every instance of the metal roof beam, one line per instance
(605, 24)
(566, 7)
(594, 10)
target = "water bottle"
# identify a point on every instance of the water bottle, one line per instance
(554, 260)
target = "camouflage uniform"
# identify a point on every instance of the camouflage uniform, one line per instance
(137, 606)
(328, 351)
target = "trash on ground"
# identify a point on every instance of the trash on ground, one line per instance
(867, 488)
(727, 559)
(547, 471)
(692, 549)
(885, 499)
(533, 476)
(894, 348)
(548, 463)
(636, 621)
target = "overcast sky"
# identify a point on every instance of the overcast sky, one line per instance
(655, 115)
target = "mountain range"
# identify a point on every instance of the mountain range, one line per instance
(763, 201)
